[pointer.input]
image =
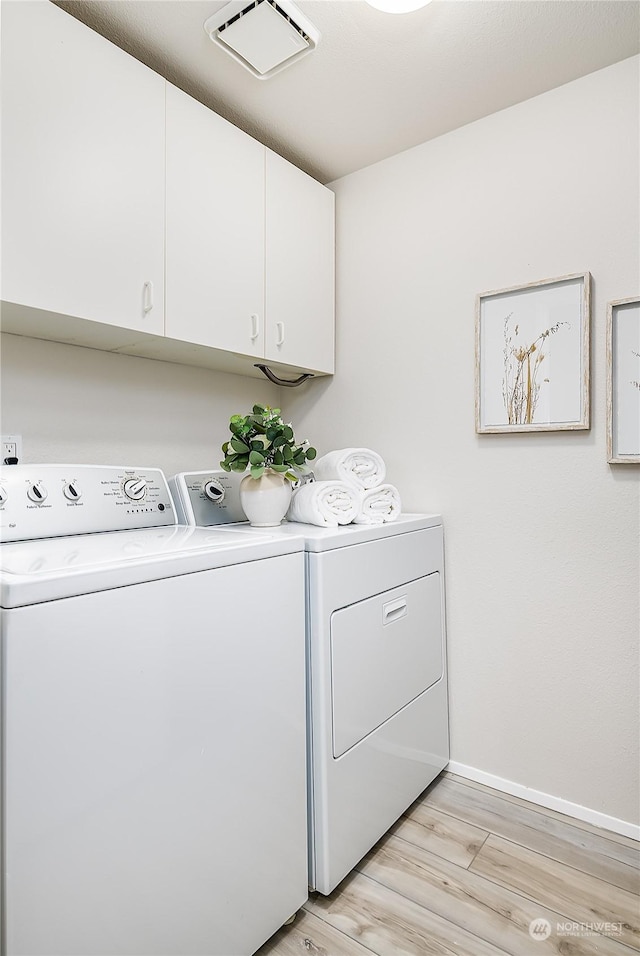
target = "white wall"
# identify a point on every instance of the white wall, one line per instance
(73, 404)
(542, 535)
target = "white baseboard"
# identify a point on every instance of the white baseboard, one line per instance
(594, 817)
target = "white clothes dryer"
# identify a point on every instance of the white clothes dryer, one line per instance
(378, 730)
(153, 709)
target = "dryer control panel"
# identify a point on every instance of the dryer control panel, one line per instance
(45, 501)
(206, 498)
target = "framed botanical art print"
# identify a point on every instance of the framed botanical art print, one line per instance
(623, 381)
(532, 356)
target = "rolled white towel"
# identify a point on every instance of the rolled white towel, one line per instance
(324, 503)
(359, 466)
(379, 505)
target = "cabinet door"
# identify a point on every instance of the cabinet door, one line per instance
(215, 230)
(300, 268)
(82, 172)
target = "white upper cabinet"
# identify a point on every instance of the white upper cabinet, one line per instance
(82, 172)
(300, 268)
(215, 230)
(94, 145)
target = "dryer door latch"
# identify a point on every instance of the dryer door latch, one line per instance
(394, 610)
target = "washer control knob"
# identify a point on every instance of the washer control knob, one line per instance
(72, 491)
(3, 495)
(37, 492)
(213, 490)
(135, 488)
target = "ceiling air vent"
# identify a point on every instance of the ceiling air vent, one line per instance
(265, 36)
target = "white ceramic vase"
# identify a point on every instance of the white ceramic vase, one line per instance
(265, 500)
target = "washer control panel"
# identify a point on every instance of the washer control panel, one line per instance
(45, 501)
(205, 498)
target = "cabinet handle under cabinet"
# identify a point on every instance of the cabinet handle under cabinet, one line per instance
(280, 331)
(283, 382)
(147, 297)
(255, 327)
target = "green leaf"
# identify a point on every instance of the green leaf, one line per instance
(262, 440)
(239, 445)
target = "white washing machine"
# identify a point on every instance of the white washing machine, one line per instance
(153, 713)
(377, 689)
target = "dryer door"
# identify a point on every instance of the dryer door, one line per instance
(385, 651)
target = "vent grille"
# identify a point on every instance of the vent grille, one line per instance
(264, 36)
(276, 7)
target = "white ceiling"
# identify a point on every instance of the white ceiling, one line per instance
(378, 83)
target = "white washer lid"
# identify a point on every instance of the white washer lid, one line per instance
(45, 570)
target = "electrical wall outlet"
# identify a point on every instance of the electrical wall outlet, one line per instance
(11, 448)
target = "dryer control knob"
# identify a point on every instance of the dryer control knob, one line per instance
(213, 490)
(135, 488)
(72, 491)
(37, 492)
(3, 495)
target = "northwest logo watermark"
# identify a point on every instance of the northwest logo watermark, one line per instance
(541, 929)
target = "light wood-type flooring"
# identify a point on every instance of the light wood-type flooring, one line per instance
(468, 871)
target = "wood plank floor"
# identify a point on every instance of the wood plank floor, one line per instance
(469, 871)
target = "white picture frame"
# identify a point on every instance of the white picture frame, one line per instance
(623, 381)
(532, 356)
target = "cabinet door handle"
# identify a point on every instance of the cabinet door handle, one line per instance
(280, 333)
(255, 326)
(147, 297)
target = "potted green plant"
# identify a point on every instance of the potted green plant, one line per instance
(265, 446)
